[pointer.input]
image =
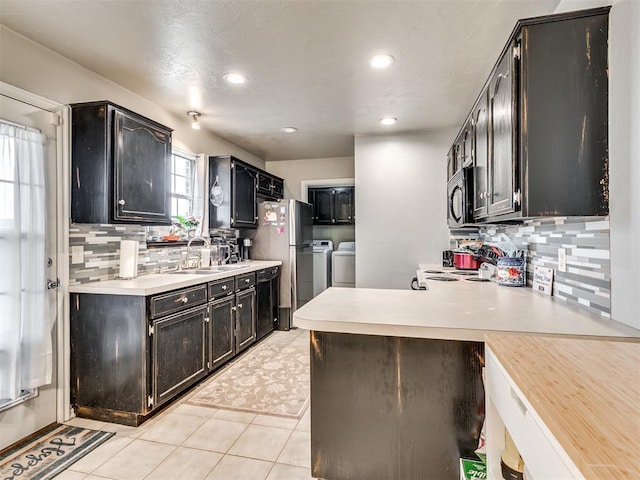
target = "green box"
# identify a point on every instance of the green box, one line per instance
(472, 470)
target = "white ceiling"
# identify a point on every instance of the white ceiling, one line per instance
(307, 61)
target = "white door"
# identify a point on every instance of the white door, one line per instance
(23, 419)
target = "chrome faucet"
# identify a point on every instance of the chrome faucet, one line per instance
(206, 241)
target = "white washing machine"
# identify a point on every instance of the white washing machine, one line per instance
(322, 250)
(344, 265)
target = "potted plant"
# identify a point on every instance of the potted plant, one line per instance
(185, 226)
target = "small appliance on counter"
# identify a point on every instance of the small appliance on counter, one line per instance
(244, 248)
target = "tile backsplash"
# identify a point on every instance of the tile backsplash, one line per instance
(587, 281)
(101, 244)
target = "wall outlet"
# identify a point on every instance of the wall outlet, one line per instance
(562, 259)
(77, 254)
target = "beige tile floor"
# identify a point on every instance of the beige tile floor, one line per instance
(187, 442)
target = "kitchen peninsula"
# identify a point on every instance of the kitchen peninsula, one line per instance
(396, 391)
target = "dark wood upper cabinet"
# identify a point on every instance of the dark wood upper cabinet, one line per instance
(332, 205)
(480, 121)
(239, 187)
(343, 208)
(540, 125)
(269, 186)
(120, 166)
(245, 210)
(235, 204)
(564, 153)
(501, 136)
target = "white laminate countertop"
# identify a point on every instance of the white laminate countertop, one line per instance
(452, 311)
(163, 282)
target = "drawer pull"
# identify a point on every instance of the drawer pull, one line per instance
(182, 299)
(224, 287)
(521, 406)
(247, 280)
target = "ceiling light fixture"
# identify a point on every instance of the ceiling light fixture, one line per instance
(235, 78)
(195, 119)
(388, 120)
(381, 61)
(288, 129)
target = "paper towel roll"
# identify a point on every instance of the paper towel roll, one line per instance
(128, 259)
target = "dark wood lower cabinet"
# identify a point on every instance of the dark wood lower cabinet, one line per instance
(245, 319)
(221, 337)
(109, 357)
(178, 352)
(393, 408)
(132, 354)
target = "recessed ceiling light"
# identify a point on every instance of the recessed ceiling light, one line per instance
(381, 61)
(235, 78)
(388, 120)
(288, 129)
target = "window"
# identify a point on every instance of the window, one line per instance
(183, 170)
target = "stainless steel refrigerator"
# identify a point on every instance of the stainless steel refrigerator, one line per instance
(285, 232)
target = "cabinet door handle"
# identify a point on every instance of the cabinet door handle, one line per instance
(121, 202)
(206, 319)
(233, 309)
(239, 305)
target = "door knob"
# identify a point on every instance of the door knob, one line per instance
(53, 284)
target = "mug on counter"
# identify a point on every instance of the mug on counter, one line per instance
(511, 271)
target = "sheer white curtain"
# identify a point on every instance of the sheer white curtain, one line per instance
(25, 330)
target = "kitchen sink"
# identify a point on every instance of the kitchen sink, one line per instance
(230, 267)
(203, 271)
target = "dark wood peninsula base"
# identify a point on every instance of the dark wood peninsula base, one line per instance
(393, 407)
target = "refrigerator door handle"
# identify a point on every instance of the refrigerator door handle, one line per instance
(294, 278)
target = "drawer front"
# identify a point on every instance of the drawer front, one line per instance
(221, 288)
(245, 281)
(267, 273)
(175, 301)
(507, 401)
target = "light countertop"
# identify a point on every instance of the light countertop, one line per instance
(586, 392)
(163, 282)
(452, 311)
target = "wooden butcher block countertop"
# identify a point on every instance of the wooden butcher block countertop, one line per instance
(587, 392)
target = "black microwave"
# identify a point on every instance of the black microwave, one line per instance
(459, 199)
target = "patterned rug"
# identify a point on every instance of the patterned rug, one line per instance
(270, 379)
(50, 453)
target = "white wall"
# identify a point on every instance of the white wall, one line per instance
(624, 160)
(400, 204)
(295, 171)
(624, 153)
(32, 67)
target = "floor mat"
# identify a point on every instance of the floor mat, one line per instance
(50, 453)
(270, 379)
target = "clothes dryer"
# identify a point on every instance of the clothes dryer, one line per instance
(343, 265)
